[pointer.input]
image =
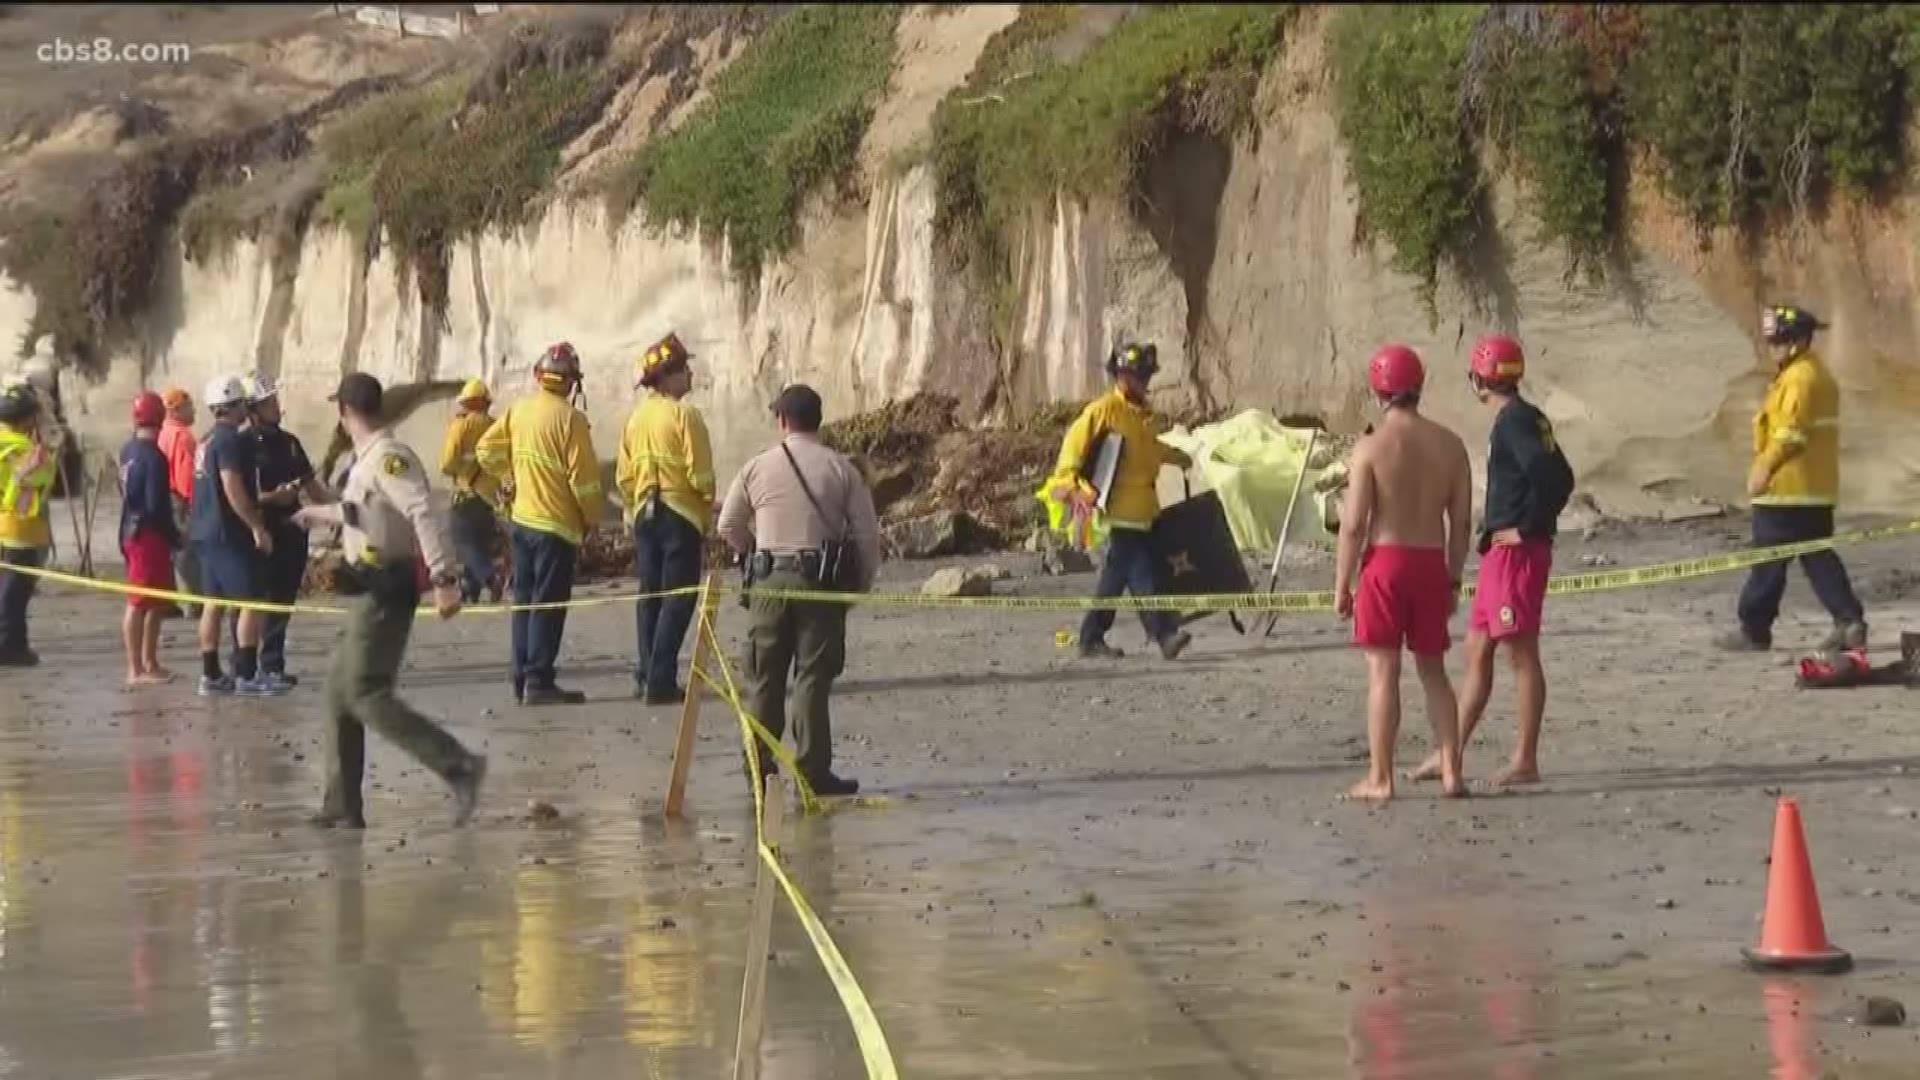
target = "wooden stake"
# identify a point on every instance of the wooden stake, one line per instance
(98, 488)
(1286, 525)
(753, 989)
(80, 547)
(696, 689)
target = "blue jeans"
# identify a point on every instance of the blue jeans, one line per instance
(474, 529)
(666, 555)
(542, 574)
(1130, 566)
(1767, 583)
(16, 591)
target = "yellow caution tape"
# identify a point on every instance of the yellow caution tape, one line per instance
(874, 1050)
(178, 597)
(756, 731)
(866, 1026)
(1604, 581)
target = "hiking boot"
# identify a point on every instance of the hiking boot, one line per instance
(330, 819)
(670, 696)
(1741, 641)
(1845, 636)
(827, 785)
(216, 687)
(1174, 644)
(551, 695)
(1099, 650)
(466, 788)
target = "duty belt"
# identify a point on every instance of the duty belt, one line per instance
(762, 563)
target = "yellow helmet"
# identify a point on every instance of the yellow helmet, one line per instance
(474, 390)
(662, 358)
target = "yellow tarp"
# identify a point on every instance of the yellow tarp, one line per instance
(1251, 460)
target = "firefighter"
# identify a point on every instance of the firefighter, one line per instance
(1794, 484)
(665, 477)
(1132, 501)
(27, 469)
(543, 446)
(476, 530)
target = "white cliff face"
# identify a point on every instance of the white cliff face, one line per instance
(853, 314)
(1250, 279)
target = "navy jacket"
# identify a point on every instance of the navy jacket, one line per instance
(1528, 478)
(148, 504)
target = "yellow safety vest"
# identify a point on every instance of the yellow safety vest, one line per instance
(26, 472)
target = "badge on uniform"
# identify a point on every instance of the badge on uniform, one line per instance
(395, 465)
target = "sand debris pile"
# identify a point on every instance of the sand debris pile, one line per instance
(923, 462)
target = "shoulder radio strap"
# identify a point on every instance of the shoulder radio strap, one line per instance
(846, 516)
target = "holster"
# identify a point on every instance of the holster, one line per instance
(754, 566)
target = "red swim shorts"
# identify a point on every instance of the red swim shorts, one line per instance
(1405, 598)
(149, 566)
(1510, 595)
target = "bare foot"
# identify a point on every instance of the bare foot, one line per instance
(1371, 791)
(1516, 775)
(1455, 788)
(156, 677)
(1428, 770)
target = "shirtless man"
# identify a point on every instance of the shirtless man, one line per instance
(1409, 503)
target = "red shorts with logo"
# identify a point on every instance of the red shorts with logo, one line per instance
(149, 566)
(1510, 595)
(1405, 599)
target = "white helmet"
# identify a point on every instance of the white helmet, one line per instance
(225, 390)
(260, 387)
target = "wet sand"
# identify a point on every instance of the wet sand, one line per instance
(1136, 870)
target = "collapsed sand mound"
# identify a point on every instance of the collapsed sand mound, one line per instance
(921, 459)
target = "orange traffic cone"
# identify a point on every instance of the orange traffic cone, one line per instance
(1794, 937)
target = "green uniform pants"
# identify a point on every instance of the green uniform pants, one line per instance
(360, 695)
(810, 639)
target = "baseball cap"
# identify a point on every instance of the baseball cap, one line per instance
(360, 392)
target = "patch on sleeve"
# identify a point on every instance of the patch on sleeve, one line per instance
(395, 465)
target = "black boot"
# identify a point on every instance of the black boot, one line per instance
(466, 788)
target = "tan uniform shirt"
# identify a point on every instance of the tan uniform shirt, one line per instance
(767, 509)
(388, 512)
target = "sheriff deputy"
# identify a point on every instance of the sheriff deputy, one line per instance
(387, 516)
